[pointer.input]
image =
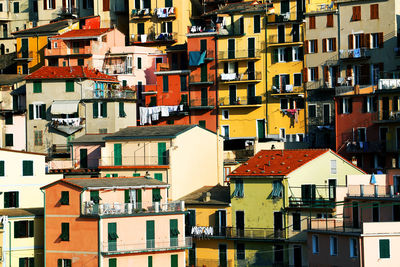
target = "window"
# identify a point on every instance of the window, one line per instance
(333, 246)
(64, 263)
(166, 27)
(112, 262)
(64, 232)
(312, 110)
(100, 110)
(9, 139)
(384, 248)
(257, 23)
(284, 104)
(353, 248)
(239, 192)
(222, 251)
(329, 45)
(356, 13)
(333, 166)
(37, 86)
(121, 110)
(225, 131)
(346, 106)
(165, 83)
(11, 199)
(23, 229)
(374, 11)
(173, 232)
(64, 198)
(103, 130)
(297, 53)
(277, 189)
(69, 86)
(297, 79)
(225, 114)
(1, 7)
(329, 20)
(240, 251)
(296, 222)
(37, 111)
(49, 4)
(311, 22)
(16, 7)
(38, 138)
(313, 74)
(202, 124)
(315, 244)
(370, 104)
(183, 83)
(375, 40)
(313, 46)
(375, 212)
(278, 254)
(139, 63)
(282, 133)
(27, 168)
(8, 117)
(2, 169)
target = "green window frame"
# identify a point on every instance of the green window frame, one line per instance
(26, 262)
(150, 234)
(64, 200)
(95, 110)
(69, 86)
(165, 84)
(9, 139)
(158, 176)
(11, 199)
(173, 232)
(64, 232)
(27, 168)
(150, 261)
(122, 110)
(94, 196)
(117, 154)
(384, 248)
(2, 168)
(127, 196)
(37, 87)
(112, 262)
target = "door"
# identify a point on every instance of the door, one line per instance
(396, 184)
(117, 154)
(327, 119)
(24, 48)
(332, 189)
(297, 256)
(385, 108)
(299, 6)
(278, 224)
(150, 234)
(396, 212)
(232, 94)
(112, 236)
(261, 129)
(251, 75)
(220, 222)
(383, 137)
(162, 153)
(203, 72)
(251, 43)
(204, 97)
(203, 45)
(223, 260)
(355, 215)
(281, 33)
(240, 223)
(83, 158)
(231, 48)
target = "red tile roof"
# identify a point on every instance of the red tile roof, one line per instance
(73, 72)
(277, 162)
(82, 33)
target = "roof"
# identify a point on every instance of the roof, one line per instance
(20, 212)
(150, 132)
(73, 72)
(10, 79)
(277, 162)
(177, 47)
(219, 196)
(242, 7)
(24, 152)
(110, 182)
(51, 28)
(83, 33)
(362, 91)
(90, 138)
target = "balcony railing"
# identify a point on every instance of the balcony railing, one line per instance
(205, 231)
(78, 51)
(115, 208)
(229, 101)
(358, 53)
(333, 225)
(312, 203)
(363, 147)
(24, 55)
(239, 54)
(201, 79)
(146, 246)
(387, 84)
(165, 12)
(287, 89)
(255, 233)
(109, 94)
(320, 7)
(69, 125)
(202, 102)
(153, 37)
(343, 89)
(141, 13)
(68, 11)
(288, 16)
(199, 29)
(284, 38)
(237, 77)
(134, 161)
(373, 191)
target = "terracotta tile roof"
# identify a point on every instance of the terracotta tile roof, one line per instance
(76, 34)
(73, 72)
(277, 162)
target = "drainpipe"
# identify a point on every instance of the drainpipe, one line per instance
(9, 242)
(304, 85)
(80, 199)
(99, 237)
(266, 71)
(217, 104)
(44, 227)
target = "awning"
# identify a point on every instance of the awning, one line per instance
(64, 107)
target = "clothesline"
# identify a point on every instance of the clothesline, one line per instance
(149, 114)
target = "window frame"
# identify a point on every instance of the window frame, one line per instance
(387, 254)
(333, 246)
(315, 244)
(315, 110)
(27, 164)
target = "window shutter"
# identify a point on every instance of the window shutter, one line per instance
(31, 262)
(316, 46)
(30, 111)
(158, 176)
(256, 23)
(139, 198)
(95, 110)
(149, 261)
(31, 229)
(362, 40)
(364, 106)
(121, 109)
(43, 111)
(305, 75)
(165, 83)
(324, 45)
(289, 52)
(380, 39)
(348, 71)
(275, 56)
(127, 197)
(326, 73)
(112, 262)
(53, 4)
(316, 73)
(306, 47)
(106, 5)
(384, 248)
(334, 44)
(2, 168)
(225, 67)
(329, 20)
(139, 63)
(350, 41)
(380, 66)
(16, 199)
(63, 3)
(350, 105)
(276, 81)
(69, 86)
(104, 109)
(45, 4)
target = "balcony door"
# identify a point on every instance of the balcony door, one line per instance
(385, 108)
(83, 158)
(232, 94)
(231, 48)
(278, 224)
(332, 189)
(220, 222)
(204, 97)
(24, 48)
(240, 223)
(327, 111)
(355, 215)
(251, 43)
(251, 71)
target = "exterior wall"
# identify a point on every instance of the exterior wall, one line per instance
(13, 21)
(158, 259)
(93, 154)
(17, 129)
(207, 252)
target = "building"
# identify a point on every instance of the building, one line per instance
(272, 195)
(208, 218)
(12, 110)
(162, 152)
(90, 221)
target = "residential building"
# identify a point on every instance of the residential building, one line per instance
(31, 43)
(207, 219)
(321, 72)
(273, 194)
(163, 152)
(67, 102)
(92, 219)
(12, 110)
(113, 14)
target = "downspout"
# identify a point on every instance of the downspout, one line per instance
(44, 227)
(80, 199)
(266, 71)
(9, 242)
(217, 104)
(304, 85)
(100, 241)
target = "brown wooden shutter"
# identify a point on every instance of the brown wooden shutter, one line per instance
(305, 75)
(324, 45)
(44, 4)
(73, 3)
(326, 73)
(63, 4)
(380, 39)
(354, 17)
(106, 5)
(365, 74)
(316, 45)
(367, 40)
(351, 41)
(334, 44)
(329, 20)
(53, 3)
(305, 47)
(312, 22)
(316, 73)
(374, 11)
(348, 70)
(362, 40)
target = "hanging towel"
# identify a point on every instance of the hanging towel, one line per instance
(196, 58)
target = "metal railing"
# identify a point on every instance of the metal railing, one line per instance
(239, 54)
(362, 147)
(228, 101)
(385, 84)
(68, 10)
(202, 262)
(247, 76)
(288, 16)
(198, 78)
(121, 246)
(109, 94)
(319, 84)
(205, 231)
(153, 37)
(92, 209)
(320, 7)
(165, 12)
(284, 38)
(373, 191)
(312, 203)
(343, 89)
(202, 102)
(24, 55)
(255, 233)
(68, 51)
(289, 89)
(139, 13)
(333, 225)
(72, 122)
(358, 53)
(134, 161)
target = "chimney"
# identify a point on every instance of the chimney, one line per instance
(206, 196)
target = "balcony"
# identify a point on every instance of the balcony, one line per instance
(287, 89)
(64, 52)
(145, 13)
(365, 147)
(354, 54)
(68, 126)
(388, 84)
(206, 231)
(127, 209)
(237, 55)
(202, 103)
(311, 8)
(154, 38)
(255, 233)
(284, 39)
(386, 116)
(373, 191)
(200, 29)
(320, 203)
(230, 31)
(288, 16)
(240, 101)
(228, 78)
(319, 84)
(59, 151)
(332, 225)
(165, 12)
(122, 247)
(109, 94)
(198, 79)
(24, 56)
(134, 161)
(68, 11)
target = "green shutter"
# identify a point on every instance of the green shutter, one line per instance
(59, 263)
(384, 249)
(43, 111)
(6, 199)
(31, 228)
(150, 261)
(275, 51)
(275, 81)
(153, 101)
(162, 153)
(67, 263)
(261, 129)
(9, 118)
(65, 231)
(112, 262)
(127, 197)
(203, 45)
(69, 86)
(184, 100)
(174, 260)
(136, 174)
(31, 111)
(16, 199)
(165, 83)
(231, 48)
(64, 198)
(156, 194)
(112, 236)
(2, 172)
(95, 110)
(256, 23)
(115, 175)
(27, 168)
(37, 86)
(104, 109)
(140, 27)
(203, 72)
(21, 262)
(94, 196)
(173, 232)
(83, 158)
(158, 176)
(150, 234)
(202, 124)
(9, 139)
(31, 262)
(168, 3)
(139, 198)
(139, 63)
(121, 109)
(17, 229)
(117, 154)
